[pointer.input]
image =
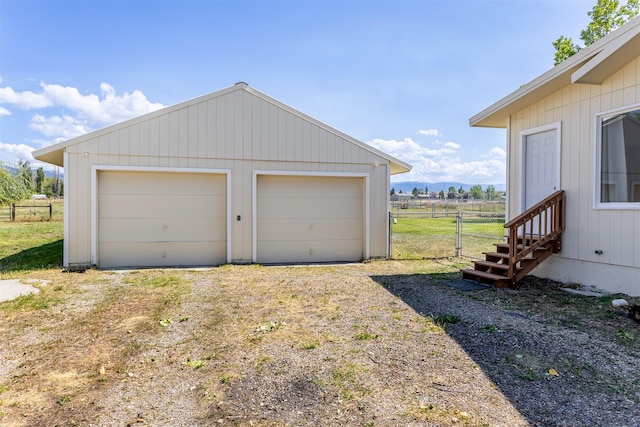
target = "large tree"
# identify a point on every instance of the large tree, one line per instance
(491, 193)
(12, 188)
(25, 174)
(476, 192)
(40, 180)
(606, 16)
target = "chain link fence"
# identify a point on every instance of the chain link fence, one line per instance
(444, 233)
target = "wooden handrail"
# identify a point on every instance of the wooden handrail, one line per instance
(538, 225)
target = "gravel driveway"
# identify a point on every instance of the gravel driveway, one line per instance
(384, 343)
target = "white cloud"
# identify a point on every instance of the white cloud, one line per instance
(444, 163)
(430, 132)
(13, 153)
(80, 113)
(107, 109)
(498, 153)
(26, 100)
(56, 126)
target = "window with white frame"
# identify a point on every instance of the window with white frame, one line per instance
(619, 158)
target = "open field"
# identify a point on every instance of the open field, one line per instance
(416, 235)
(32, 241)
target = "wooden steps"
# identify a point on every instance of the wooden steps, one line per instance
(523, 250)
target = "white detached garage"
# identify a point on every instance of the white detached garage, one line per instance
(233, 176)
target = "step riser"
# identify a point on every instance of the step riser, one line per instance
(494, 270)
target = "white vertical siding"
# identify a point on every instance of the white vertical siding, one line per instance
(615, 232)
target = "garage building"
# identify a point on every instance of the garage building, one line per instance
(230, 177)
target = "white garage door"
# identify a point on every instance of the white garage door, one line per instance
(152, 219)
(309, 219)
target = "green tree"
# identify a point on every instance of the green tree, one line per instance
(441, 194)
(40, 180)
(426, 190)
(460, 190)
(52, 187)
(415, 192)
(491, 193)
(565, 47)
(25, 174)
(606, 16)
(393, 191)
(476, 192)
(12, 188)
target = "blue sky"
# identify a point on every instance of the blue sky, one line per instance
(403, 76)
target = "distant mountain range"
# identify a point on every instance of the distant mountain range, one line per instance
(405, 186)
(47, 173)
(408, 186)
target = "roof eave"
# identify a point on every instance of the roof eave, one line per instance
(51, 155)
(496, 115)
(396, 166)
(616, 55)
(399, 167)
(592, 65)
(54, 154)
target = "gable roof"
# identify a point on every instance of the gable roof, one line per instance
(591, 65)
(54, 154)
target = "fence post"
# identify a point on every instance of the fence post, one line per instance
(458, 233)
(50, 211)
(13, 212)
(390, 235)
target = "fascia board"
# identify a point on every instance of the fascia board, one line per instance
(549, 82)
(617, 54)
(53, 153)
(598, 58)
(397, 166)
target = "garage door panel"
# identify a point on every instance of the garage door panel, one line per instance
(302, 229)
(162, 230)
(277, 207)
(162, 254)
(309, 219)
(149, 219)
(309, 252)
(121, 182)
(161, 206)
(323, 187)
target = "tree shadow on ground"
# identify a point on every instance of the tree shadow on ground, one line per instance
(48, 255)
(517, 351)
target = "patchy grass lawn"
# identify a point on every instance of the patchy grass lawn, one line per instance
(238, 345)
(376, 344)
(32, 241)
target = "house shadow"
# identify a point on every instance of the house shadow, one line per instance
(48, 255)
(514, 351)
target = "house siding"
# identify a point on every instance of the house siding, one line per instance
(615, 232)
(236, 131)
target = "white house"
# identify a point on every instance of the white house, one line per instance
(233, 176)
(577, 128)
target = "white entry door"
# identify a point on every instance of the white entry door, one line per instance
(541, 161)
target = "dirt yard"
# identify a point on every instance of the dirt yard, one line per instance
(379, 344)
